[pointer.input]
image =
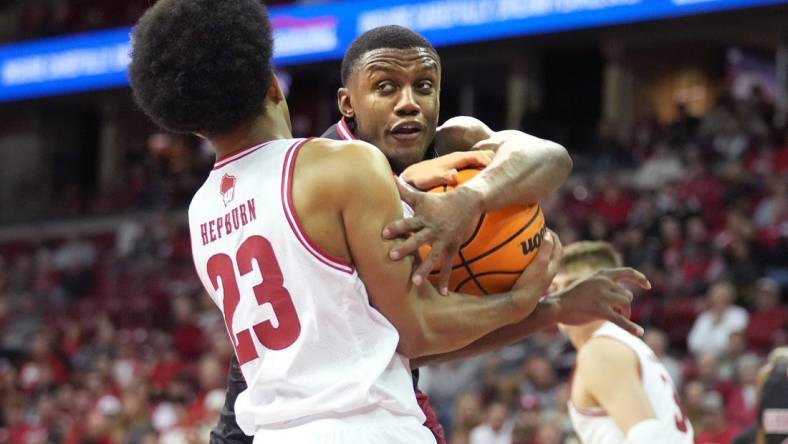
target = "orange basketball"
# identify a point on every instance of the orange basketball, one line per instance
(502, 245)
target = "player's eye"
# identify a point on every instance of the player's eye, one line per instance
(385, 87)
(425, 86)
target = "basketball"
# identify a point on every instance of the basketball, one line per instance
(501, 246)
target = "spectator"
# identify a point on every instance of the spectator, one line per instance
(441, 381)
(740, 401)
(541, 382)
(768, 325)
(613, 204)
(771, 210)
(661, 168)
(549, 431)
(497, 427)
(467, 416)
(713, 327)
(714, 428)
(729, 360)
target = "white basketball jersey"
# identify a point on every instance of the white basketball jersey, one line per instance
(595, 426)
(310, 345)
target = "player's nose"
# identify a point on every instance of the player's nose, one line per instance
(406, 103)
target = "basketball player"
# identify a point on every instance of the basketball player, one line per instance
(771, 392)
(391, 75)
(390, 98)
(773, 399)
(286, 240)
(620, 391)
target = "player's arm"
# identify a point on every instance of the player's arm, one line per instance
(444, 170)
(609, 372)
(544, 315)
(523, 170)
(428, 323)
(227, 430)
(599, 296)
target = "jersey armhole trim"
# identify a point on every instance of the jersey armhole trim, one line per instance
(594, 412)
(295, 223)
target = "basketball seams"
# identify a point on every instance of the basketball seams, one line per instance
(512, 237)
(471, 274)
(474, 277)
(493, 248)
(465, 244)
(475, 231)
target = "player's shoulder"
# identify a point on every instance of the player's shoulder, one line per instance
(330, 149)
(464, 124)
(343, 162)
(605, 356)
(460, 133)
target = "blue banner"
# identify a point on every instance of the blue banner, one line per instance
(310, 33)
(64, 65)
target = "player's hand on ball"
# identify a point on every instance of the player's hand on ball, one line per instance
(443, 170)
(537, 277)
(443, 220)
(601, 296)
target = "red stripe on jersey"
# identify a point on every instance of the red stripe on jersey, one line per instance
(237, 154)
(295, 223)
(344, 130)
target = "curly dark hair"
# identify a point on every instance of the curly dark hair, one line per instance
(390, 36)
(202, 65)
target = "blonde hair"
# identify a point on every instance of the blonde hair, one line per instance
(778, 354)
(593, 254)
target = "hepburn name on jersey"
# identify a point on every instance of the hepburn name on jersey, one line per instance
(231, 221)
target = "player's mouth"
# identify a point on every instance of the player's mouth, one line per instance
(407, 131)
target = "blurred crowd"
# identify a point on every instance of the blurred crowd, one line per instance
(108, 337)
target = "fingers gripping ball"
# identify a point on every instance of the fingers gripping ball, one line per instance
(502, 245)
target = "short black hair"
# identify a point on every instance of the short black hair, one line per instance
(390, 36)
(202, 65)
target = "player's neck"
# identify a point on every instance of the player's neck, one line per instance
(263, 129)
(578, 336)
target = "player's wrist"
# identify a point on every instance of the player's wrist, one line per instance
(549, 310)
(525, 299)
(473, 198)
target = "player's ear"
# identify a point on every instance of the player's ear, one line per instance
(344, 104)
(275, 93)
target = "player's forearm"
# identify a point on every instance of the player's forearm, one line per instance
(452, 322)
(543, 316)
(525, 169)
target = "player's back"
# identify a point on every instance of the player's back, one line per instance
(316, 356)
(595, 426)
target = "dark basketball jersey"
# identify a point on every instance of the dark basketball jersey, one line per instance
(773, 404)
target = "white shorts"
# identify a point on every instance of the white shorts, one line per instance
(375, 427)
